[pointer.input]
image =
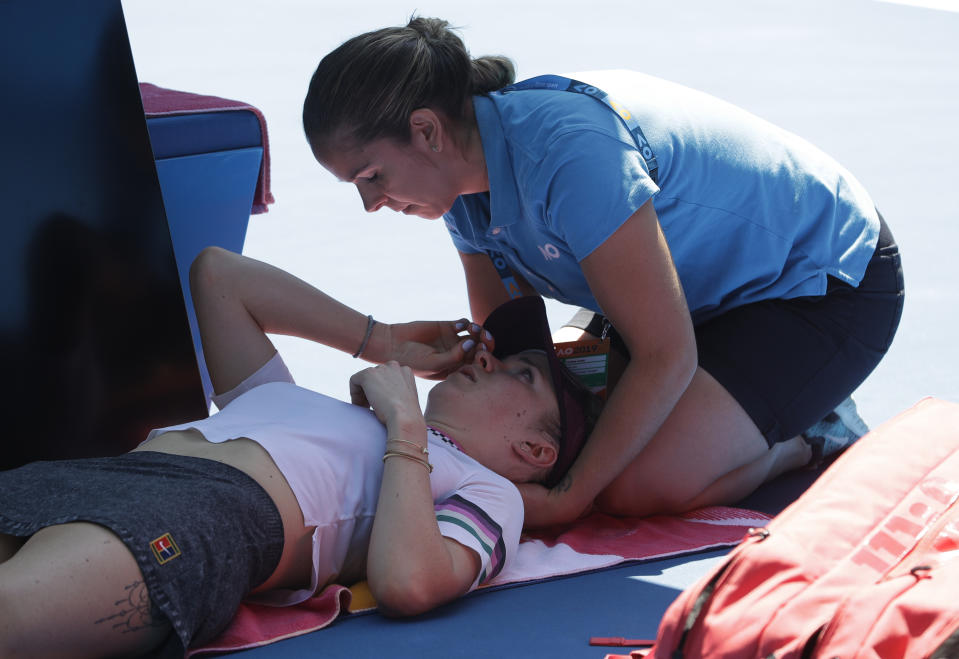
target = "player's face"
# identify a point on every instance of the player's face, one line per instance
(491, 407)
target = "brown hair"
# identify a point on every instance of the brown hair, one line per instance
(367, 88)
(591, 405)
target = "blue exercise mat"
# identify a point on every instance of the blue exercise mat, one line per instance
(549, 619)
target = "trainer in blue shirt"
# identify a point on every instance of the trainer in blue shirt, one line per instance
(746, 279)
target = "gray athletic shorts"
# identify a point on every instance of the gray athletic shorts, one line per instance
(203, 533)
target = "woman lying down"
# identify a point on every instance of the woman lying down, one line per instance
(286, 490)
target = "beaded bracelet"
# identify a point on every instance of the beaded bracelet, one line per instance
(400, 454)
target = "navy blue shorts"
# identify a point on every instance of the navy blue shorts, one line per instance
(203, 533)
(789, 362)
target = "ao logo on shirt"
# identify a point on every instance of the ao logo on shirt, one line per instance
(549, 251)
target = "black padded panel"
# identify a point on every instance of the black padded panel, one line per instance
(95, 344)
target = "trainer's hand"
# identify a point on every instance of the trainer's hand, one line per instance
(434, 349)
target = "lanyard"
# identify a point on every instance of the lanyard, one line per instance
(505, 274)
(569, 85)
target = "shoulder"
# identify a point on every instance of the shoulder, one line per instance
(560, 138)
(456, 475)
(456, 470)
(476, 507)
(534, 121)
(490, 528)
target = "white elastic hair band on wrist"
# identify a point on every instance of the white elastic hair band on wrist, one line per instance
(366, 338)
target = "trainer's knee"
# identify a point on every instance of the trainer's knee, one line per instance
(624, 499)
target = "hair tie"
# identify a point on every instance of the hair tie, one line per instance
(366, 338)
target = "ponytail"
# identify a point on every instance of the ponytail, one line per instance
(490, 73)
(367, 88)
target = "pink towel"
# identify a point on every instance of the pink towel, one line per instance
(158, 101)
(255, 624)
(599, 541)
(594, 542)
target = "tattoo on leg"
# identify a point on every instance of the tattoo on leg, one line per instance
(136, 611)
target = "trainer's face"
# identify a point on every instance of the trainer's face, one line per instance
(407, 178)
(495, 409)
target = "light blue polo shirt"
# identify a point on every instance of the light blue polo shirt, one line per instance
(750, 211)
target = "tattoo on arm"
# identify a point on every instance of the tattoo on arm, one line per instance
(135, 611)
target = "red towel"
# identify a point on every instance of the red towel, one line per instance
(158, 101)
(255, 624)
(599, 541)
(594, 542)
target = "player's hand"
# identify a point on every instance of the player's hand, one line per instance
(390, 391)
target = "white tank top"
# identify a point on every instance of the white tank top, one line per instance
(330, 452)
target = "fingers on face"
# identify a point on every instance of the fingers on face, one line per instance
(477, 339)
(485, 360)
(470, 349)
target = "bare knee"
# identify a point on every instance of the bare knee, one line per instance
(208, 267)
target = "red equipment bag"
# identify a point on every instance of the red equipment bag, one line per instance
(863, 564)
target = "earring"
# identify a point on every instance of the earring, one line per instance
(435, 148)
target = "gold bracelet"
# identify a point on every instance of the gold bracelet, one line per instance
(400, 454)
(423, 449)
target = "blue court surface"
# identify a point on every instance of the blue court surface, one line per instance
(875, 84)
(550, 619)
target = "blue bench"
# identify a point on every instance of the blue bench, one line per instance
(208, 164)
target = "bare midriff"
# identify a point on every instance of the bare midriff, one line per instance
(296, 562)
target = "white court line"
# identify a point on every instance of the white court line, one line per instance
(941, 5)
